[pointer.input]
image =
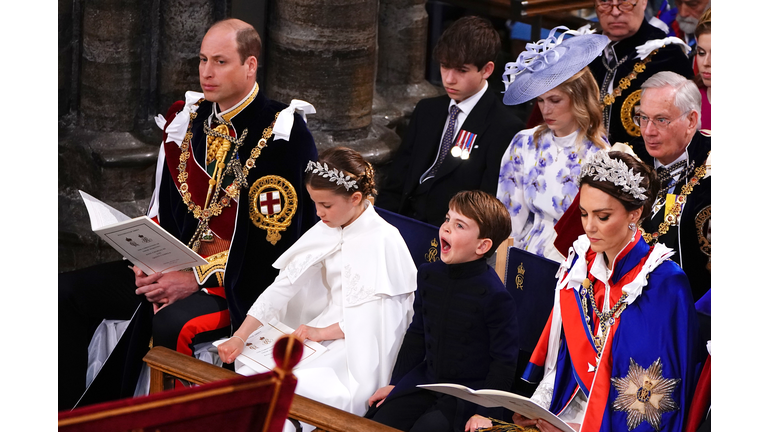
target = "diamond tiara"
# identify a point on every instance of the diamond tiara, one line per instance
(333, 175)
(602, 167)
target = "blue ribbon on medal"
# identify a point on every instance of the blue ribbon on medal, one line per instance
(465, 141)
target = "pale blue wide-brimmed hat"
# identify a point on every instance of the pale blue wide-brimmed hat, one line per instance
(549, 62)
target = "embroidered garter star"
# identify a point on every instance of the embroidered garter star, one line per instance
(644, 394)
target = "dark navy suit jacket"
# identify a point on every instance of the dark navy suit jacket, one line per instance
(495, 126)
(464, 331)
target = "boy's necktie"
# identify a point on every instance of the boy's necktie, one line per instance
(445, 145)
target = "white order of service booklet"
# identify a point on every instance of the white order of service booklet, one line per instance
(257, 353)
(140, 240)
(497, 398)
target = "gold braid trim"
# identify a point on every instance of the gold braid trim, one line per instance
(502, 426)
(216, 262)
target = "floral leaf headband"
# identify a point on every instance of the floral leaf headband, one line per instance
(333, 175)
(602, 167)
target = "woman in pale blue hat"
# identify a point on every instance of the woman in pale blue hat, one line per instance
(538, 178)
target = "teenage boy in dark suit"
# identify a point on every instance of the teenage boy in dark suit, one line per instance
(454, 142)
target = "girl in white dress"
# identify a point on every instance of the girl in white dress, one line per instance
(538, 177)
(347, 283)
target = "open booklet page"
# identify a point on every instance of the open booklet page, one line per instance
(140, 240)
(257, 353)
(498, 398)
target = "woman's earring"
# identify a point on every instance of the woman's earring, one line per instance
(632, 226)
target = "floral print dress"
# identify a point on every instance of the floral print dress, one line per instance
(537, 183)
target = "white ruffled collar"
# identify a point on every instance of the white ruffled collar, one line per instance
(579, 270)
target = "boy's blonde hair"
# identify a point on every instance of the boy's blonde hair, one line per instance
(489, 213)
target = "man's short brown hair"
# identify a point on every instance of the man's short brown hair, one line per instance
(248, 39)
(470, 40)
(488, 212)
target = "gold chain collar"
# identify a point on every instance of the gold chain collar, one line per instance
(624, 83)
(606, 320)
(673, 216)
(213, 205)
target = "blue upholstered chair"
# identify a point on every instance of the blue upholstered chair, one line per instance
(420, 237)
(531, 280)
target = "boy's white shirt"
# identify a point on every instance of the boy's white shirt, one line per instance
(466, 106)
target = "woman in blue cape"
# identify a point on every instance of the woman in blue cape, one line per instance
(618, 351)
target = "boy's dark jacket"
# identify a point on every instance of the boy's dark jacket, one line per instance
(495, 126)
(464, 331)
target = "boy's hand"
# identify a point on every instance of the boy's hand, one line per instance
(542, 425)
(477, 422)
(522, 421)
(380, 395)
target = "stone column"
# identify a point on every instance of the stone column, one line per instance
(121, 62)
(66, 29)
(324, 52)
(183, 25)
(111, 64)
(97, 151)
(402, 58)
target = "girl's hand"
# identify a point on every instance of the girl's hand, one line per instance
(229, 350)
(306, 332)
(332, 332)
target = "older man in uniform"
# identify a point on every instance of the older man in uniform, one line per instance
(624, 65)
(230, 185)
(669, 119)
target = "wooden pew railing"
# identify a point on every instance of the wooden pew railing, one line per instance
(167, 365)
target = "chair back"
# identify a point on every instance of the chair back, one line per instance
(420, 237)
(254, 403)
(531, 281)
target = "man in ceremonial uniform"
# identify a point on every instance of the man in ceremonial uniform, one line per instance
(230, 185)
(627, 62)
(669, 119)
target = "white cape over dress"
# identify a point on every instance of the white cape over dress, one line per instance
(377, 285)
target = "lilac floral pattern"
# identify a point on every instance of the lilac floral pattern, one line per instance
(537, 183)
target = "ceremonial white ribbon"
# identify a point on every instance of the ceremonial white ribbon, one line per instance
(540, 55)
(284, 122)
(647, 48)
(178, 127)
(635, 287)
